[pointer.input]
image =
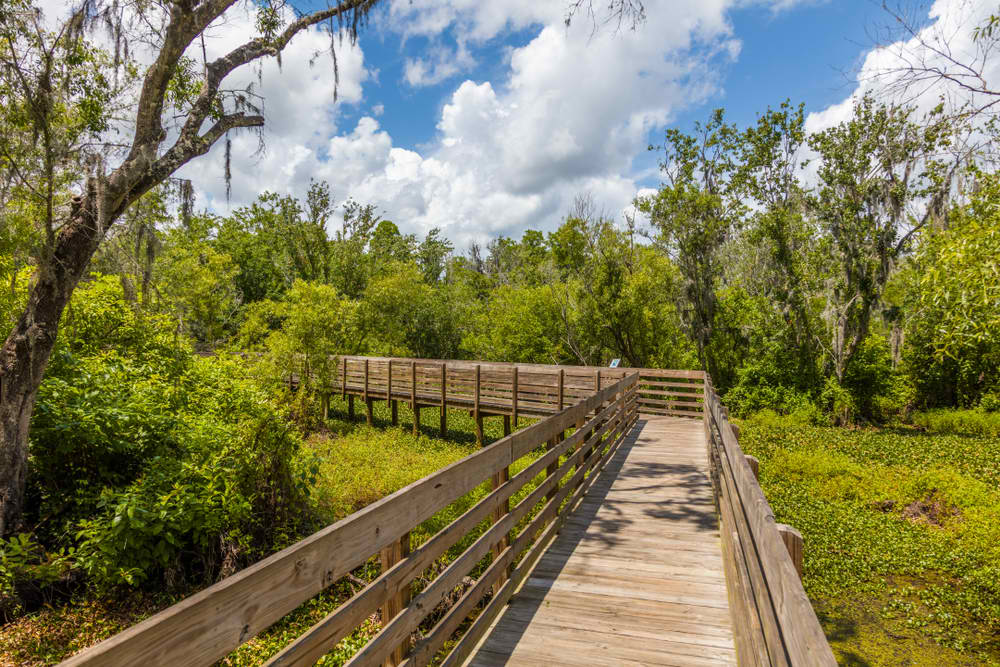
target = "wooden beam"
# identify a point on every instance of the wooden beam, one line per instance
(513, 394)
(499, 479)
(794, 543)
(475, 409)
(444, 400)
(413, 398)
(389, 556)
(562, 380)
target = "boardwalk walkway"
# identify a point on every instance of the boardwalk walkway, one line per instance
(636, 574)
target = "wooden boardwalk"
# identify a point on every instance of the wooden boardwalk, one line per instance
(636, 574)
(623, 564)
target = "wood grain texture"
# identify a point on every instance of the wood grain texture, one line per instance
(779, 626)
(636, 573)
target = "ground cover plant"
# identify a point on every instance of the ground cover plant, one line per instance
(902, 535)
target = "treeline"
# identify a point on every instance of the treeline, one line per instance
(859, 287)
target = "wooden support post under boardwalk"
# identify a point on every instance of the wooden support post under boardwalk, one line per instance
(444, 400)
(475, 409)
(413, 398)
(513, 394)
(394, 409)
(350, 407)
(562, 378)
(794, 543)
(388, 383)
(369, 412)
(389, 556)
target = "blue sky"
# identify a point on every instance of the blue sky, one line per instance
(808, 52)
(489, 118)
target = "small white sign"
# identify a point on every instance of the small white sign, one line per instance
(614, 363)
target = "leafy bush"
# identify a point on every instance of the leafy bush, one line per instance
(960, 422)
(868, 377)
(990, 402)
(26, 567)
(151, 465)
(838, 401)
(763, 386)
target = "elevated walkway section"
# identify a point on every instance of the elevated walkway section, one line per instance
(636, 574)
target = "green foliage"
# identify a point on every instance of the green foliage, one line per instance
(838, 402)
(303, 334)
(25, 564)
(961, 422)
(960, 288)
(901, 521)
(151, 465)
(869, 376)
(990, 402)
(196, 282)
(519, 324)
(404, 316)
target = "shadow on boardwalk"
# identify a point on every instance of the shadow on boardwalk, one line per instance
(634, 504)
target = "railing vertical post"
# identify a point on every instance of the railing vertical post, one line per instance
(794, 543)
(444, 400)
(562, 376)
(392, 401)
(513, 393)
(389, 556)
(369, 416)
(343, 381)
(499, 479)
(413, 398)
(475, 408)
(551, 469)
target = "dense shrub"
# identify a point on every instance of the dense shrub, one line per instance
(869, 376)
(961, 422)
(766, 384)
(150, 465)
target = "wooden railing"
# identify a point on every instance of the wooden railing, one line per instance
(773, 621)
(509, 390)
(208, 625)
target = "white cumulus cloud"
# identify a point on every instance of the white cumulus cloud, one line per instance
(571, 113)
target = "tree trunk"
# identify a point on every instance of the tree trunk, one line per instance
(26, 351)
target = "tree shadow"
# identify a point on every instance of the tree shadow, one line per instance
(602, 521)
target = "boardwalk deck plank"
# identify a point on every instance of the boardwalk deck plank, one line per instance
(636, 575)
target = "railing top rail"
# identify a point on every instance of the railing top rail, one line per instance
(787, 626)
(466, 363)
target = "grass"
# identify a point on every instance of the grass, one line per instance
(357, 464)
(902, 537)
